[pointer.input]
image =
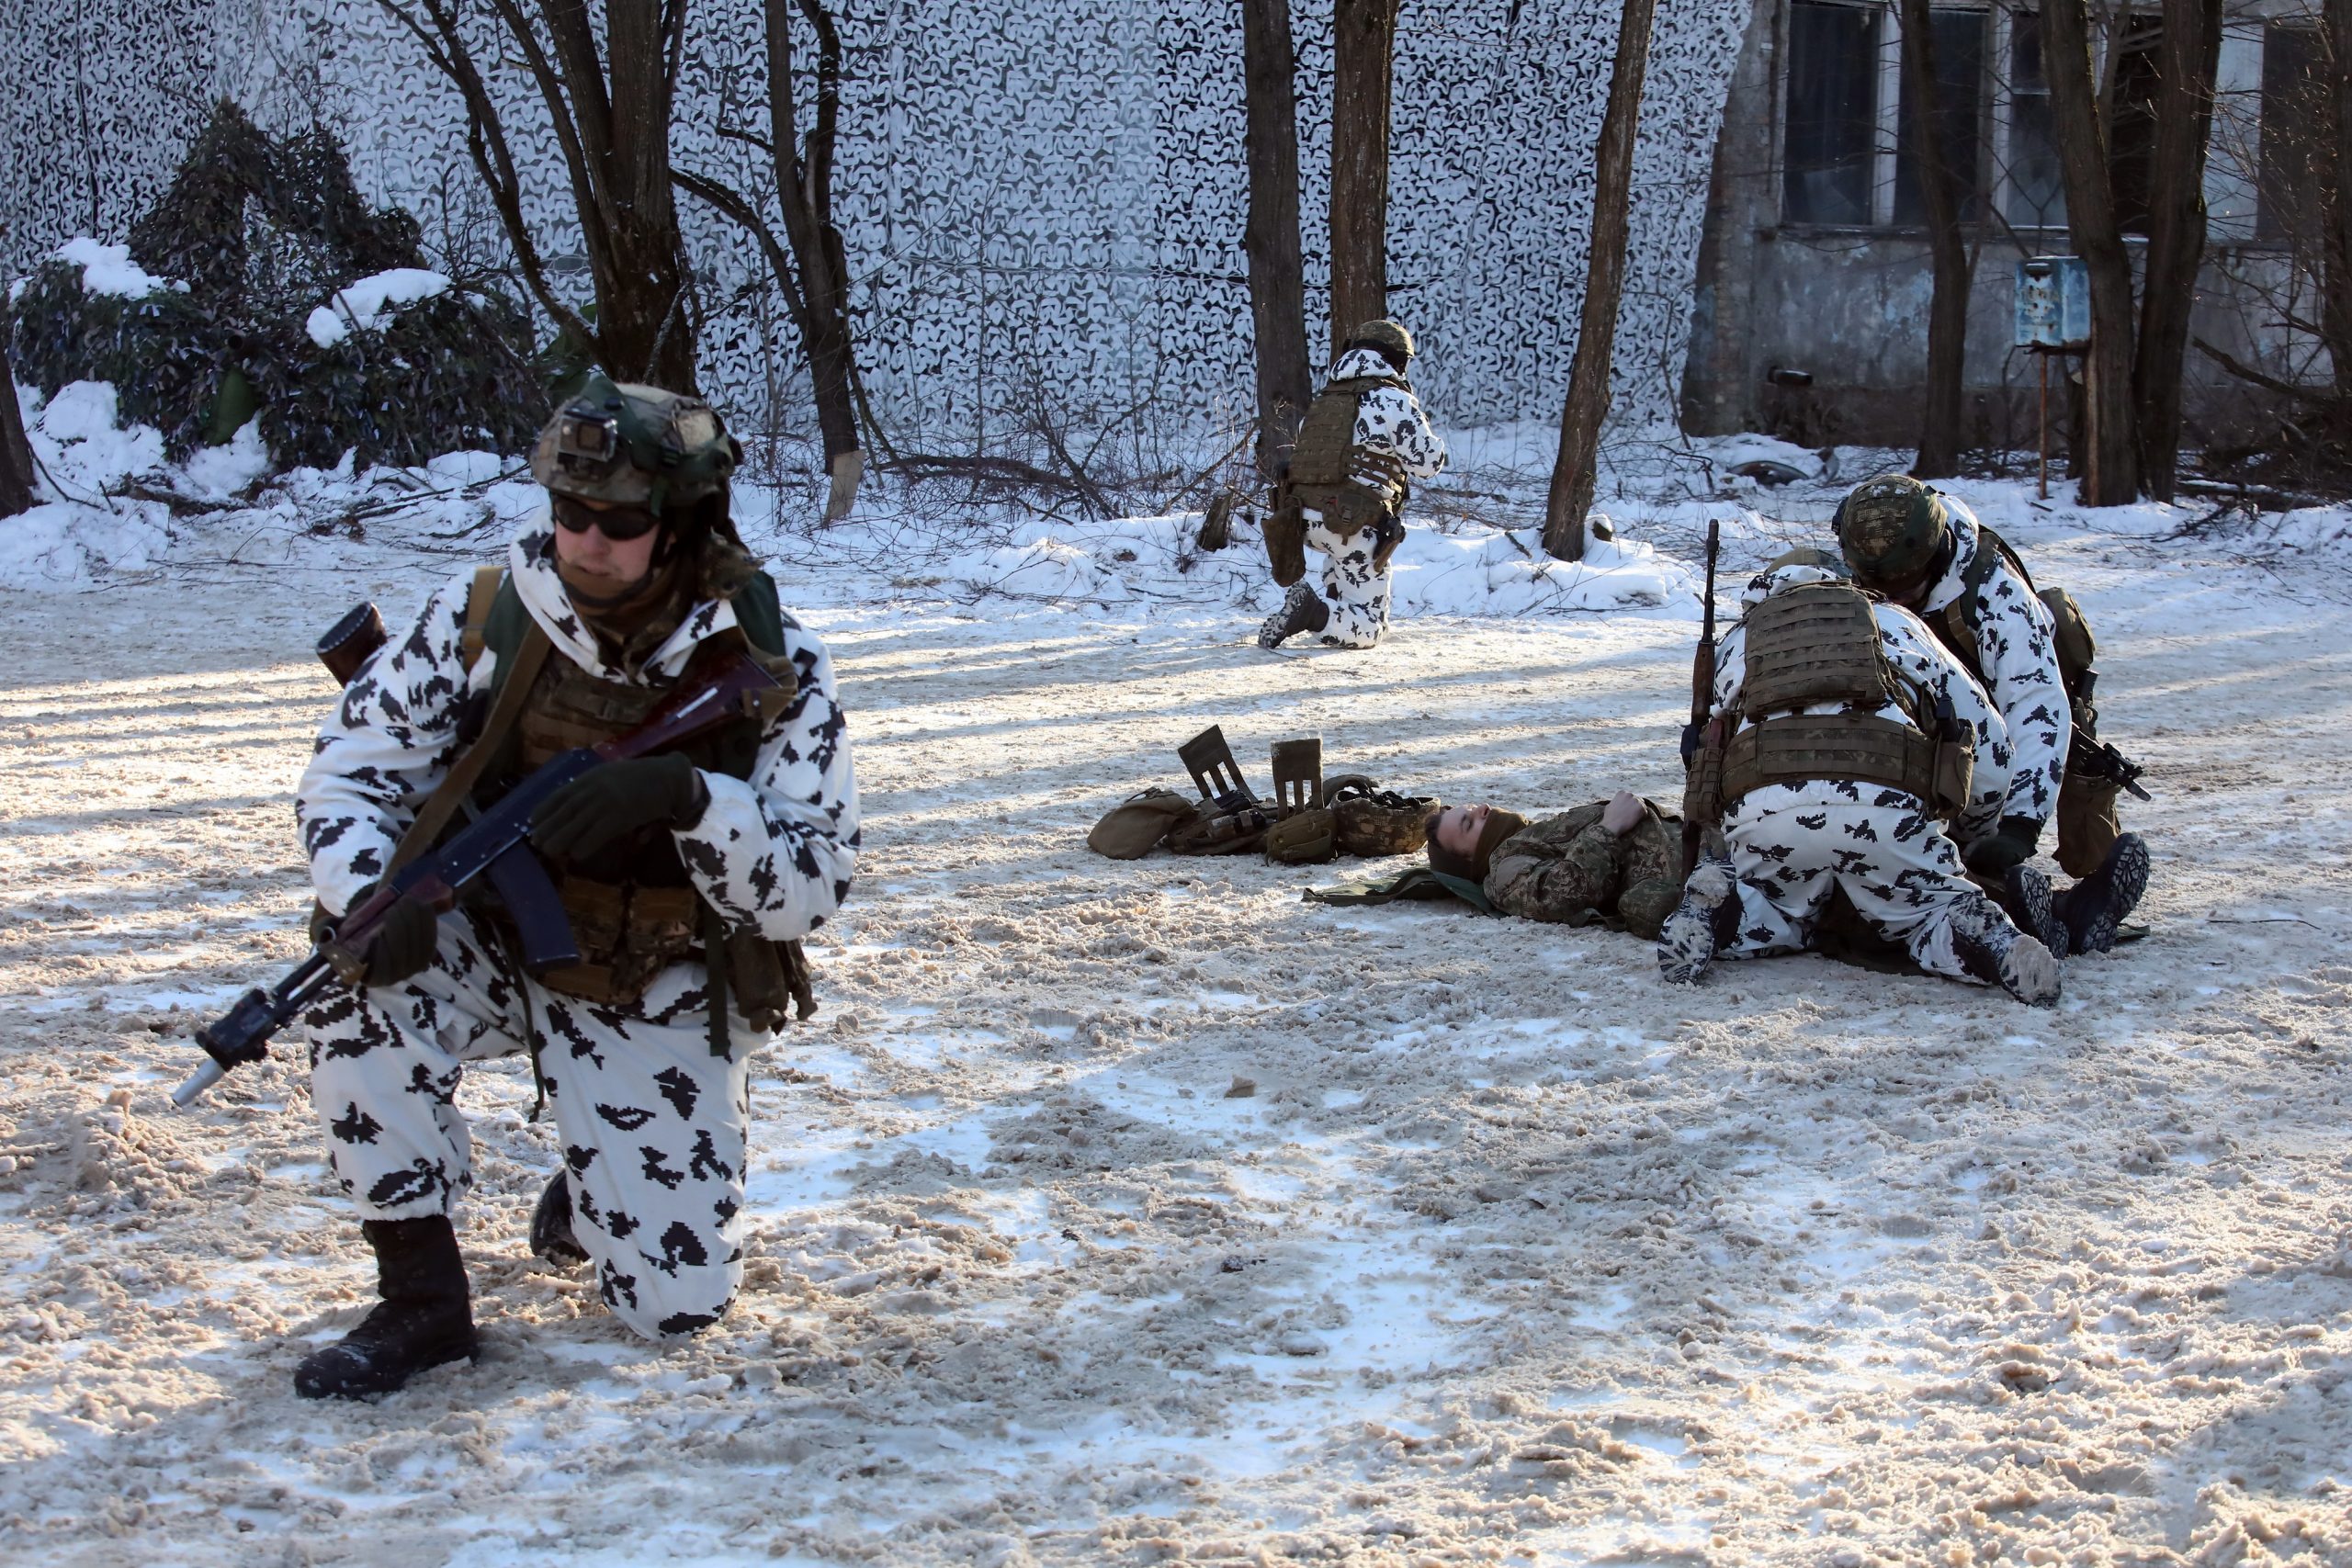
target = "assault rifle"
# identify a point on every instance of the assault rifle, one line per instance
(2098, 759)
(2090, 756)
(1703, 699)
(496, 845)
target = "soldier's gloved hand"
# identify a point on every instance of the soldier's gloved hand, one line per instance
(404, 941)
(1691, 734)
(615, 800)
(2011, 843)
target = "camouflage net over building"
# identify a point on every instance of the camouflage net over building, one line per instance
(218, 319)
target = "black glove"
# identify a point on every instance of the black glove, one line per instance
(404, 941)
(617, 799)
(2009, 845)
(1691, 734)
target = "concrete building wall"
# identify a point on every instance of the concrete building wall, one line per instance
(1848, 307)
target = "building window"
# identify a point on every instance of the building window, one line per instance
(1959, 45)
(1830, 150)
(2035, 191)
(2292, 142)
(2133, 68)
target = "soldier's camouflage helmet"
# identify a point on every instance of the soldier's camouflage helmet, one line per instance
(634, 446)
(1889, 530)
(1382, 335)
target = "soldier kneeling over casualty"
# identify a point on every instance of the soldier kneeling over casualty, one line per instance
(1612, 861)
(1343, 492)
(688, 877)
(1846, 752)
(2031, 653)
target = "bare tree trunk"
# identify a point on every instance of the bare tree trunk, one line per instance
(2335, 203)
(1277, 275)
(815, 274)
(805, 188)
(1939, 428)
(1364, 58)
(2192, 52)
(15, 451)
(1588, 402)
(2111, 446)
(610, 113)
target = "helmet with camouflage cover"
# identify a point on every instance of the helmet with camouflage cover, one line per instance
(1389, 336)
(635, 446)
(1889, 529)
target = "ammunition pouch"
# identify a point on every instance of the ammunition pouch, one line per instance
(1304, 837)
(768, 982)
(627, 935)
(1863, 748)
(2088, 824)
(1347, 509)
(1236, 833)
(1285, 532)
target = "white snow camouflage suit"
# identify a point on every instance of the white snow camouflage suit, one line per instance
(653, 1124)
(1793, 844)
(1389, 419)
(2017, 659)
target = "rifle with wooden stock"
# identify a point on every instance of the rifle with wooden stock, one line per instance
(495, 845)
(1696, 760)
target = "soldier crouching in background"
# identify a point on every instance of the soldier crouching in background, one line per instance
(1343, 492)
(689, 877)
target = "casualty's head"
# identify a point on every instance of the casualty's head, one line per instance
(1462, 838)
(1387, 339)
(636, 478)
(1895, 535)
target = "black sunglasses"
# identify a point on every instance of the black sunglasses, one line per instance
(621, 525)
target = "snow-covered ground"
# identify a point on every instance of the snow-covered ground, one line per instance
(1507, 1255)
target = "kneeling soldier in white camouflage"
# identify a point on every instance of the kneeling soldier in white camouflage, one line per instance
(1342, 492)
(1846, 751)
(1916, 547)
(688, 877)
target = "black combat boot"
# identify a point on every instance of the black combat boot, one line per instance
(2093, 908)
(2026, 898)
(1302, 611)
(1997, 953)
(424, 1319)
(551, 1237)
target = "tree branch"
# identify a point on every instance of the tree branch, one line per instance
(445, 47)
(2247, 373)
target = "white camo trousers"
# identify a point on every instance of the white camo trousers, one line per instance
(1898, 869)
(654, 1126)
(1356, 590)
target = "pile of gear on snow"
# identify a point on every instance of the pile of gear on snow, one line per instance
(263, 285)
(1310, 819)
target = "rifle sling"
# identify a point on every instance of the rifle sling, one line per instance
(513, 690)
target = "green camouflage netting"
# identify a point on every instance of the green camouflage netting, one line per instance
(263, 231)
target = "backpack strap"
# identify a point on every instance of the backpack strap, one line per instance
(1959, 625)
(479, 599)
(515, 677)
(759, 613)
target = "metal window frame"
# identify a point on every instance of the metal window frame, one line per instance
(1887, 108)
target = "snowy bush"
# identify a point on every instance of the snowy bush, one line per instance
(260, 284)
